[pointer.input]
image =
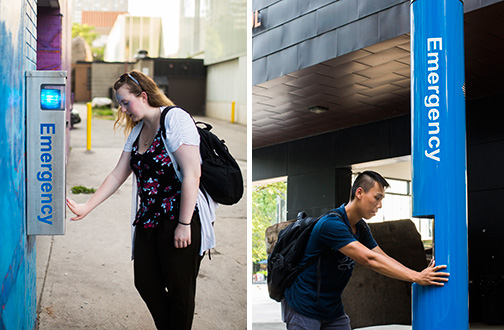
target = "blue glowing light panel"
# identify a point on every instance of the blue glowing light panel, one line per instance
(52, 97)
(439, 156)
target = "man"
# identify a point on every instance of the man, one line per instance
(314, 300)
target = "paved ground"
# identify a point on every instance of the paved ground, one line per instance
(85, 278)
(266, 314)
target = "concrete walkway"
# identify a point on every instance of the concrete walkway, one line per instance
(266, 314)
(85, 278)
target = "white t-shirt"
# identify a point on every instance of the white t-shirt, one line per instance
(180, 129)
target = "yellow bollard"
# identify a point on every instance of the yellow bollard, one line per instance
(89, 115)
(233, 112)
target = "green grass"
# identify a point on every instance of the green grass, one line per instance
(103, 112)
(82, 190)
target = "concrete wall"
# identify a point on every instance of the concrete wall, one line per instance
(103, 76)
(183, 81)
(485, 159)
(318, 167)
(226, 82)
(18, 33)
(147, 67)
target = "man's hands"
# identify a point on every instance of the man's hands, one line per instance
(377, 260)
(432, 275)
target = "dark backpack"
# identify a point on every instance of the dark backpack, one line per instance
(283, 262)
(221, 176)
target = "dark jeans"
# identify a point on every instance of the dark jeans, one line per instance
(296, 321)
(166, 276)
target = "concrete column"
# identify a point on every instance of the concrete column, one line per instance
(318, 191)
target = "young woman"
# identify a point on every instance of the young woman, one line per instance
(173, 221)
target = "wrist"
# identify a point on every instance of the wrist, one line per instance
(184, 224)
(416, 277)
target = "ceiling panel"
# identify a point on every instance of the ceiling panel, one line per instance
(369, 84)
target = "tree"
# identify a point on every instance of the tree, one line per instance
(87, 33)
(264, 208)
(84, 31)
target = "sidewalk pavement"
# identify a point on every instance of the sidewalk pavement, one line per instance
(85, 277)
(266, 313)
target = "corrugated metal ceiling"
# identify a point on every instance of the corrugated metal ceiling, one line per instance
(369, 84)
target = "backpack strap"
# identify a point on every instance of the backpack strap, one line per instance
(319, 257)
(316, 258)
(163, 137)
(163, 134)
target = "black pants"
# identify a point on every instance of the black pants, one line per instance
(166, 276)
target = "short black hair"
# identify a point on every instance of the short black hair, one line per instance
(366, 181)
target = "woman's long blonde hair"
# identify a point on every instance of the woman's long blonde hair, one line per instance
(137, 82)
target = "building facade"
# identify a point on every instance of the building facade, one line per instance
(33, 36)
(97, 5)
(215, 31)
(131, 34)
(103, 21)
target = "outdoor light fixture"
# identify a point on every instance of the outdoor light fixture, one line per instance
(318, 109)
(52, 97)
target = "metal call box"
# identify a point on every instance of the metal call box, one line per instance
(45, 152)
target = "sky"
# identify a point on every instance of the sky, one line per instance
(168, 10)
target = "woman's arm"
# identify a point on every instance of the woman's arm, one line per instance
(188, 158)
(109, 186)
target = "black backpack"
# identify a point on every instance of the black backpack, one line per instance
(283, 262)
(221, 176)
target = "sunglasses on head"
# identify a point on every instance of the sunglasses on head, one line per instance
(123, 78)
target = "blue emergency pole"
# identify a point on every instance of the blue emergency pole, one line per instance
(439, 175)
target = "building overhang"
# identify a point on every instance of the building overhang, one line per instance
(368, 84)
(49, 3)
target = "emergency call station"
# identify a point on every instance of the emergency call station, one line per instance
(438, 149)
(45, 152)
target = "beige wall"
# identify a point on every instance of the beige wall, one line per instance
(104, 75)
(227, 82)
(147, 67)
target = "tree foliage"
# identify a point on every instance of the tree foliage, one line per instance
(84, 31)
(87, 32)
(264, 209)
